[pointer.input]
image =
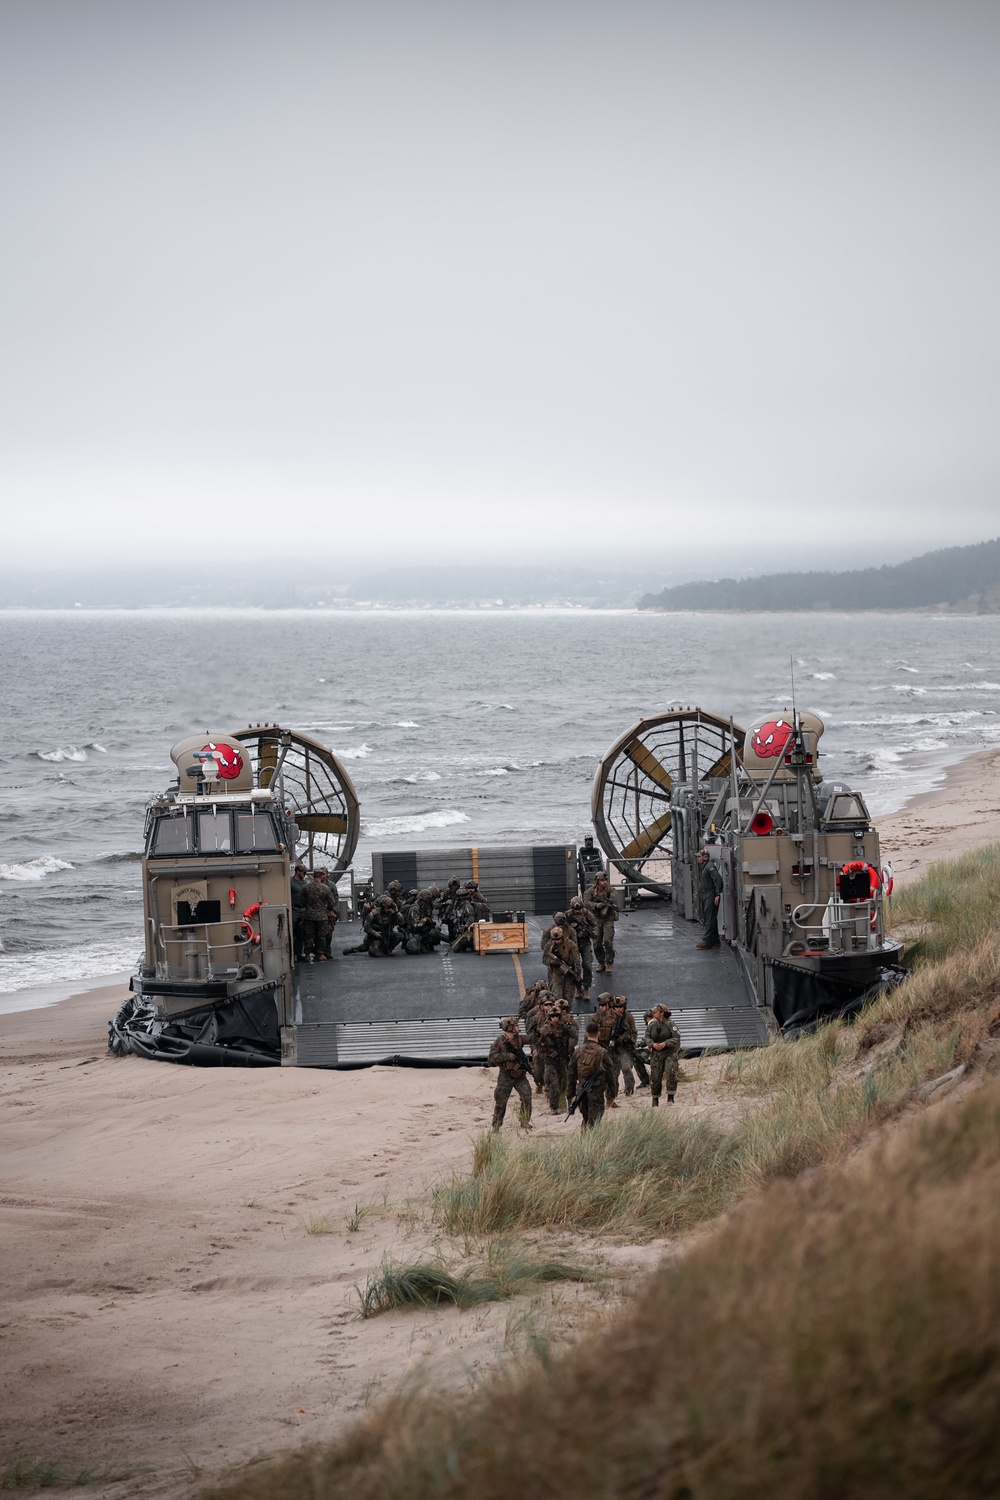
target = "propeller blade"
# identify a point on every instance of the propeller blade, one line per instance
(647, 838)
(647, 762)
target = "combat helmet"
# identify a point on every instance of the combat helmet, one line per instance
(510, 1023)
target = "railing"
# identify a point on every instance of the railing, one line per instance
(197, 948)
(844, 926)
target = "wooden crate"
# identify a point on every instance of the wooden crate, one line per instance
(500, 937)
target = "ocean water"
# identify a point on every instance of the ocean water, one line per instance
(457, 728)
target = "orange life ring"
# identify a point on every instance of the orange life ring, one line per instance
(246, 924)
(855, 866)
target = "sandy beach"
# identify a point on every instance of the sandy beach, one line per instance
(181, 1246)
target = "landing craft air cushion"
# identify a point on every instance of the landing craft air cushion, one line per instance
(801, 913)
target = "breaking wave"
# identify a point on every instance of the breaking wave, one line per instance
(448, 817)
(21, 971)
(358, 752)
(34, 869)
(63, 752)
(421, 776)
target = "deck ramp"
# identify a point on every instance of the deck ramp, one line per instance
(443, 1008)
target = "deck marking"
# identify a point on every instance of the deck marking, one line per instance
(520, 976)
(475, 864)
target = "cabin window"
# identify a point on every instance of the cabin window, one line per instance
(214, 833)
(173, 835)
(846, 809)
(255, 831)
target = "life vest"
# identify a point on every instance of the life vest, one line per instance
(246, 924)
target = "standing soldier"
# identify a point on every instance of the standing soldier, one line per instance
(603, 909)
(582, 925)
(710, 892)
(506, 1054)
(534, 1018)
(562, 959)
(557, 1036)
(298, 907)
(318, 904)
(590, 1074)
(622, 1046)
(333, 910)
(664, 1053)
(604, 1019)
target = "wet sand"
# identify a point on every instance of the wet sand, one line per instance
(181, 1245)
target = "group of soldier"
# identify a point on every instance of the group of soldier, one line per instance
(417, 921)
(583, 1075)
(586, 1075)
(578, 936)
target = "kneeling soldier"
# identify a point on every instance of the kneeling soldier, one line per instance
(507, 1055)
(664, 1053)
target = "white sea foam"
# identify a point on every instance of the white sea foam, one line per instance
(22, 971)
(824, 676)
(406, 724)
(358, 752)
(449, 817)
(34, 869)
(64, 752)
(422, 776)
(93, 745)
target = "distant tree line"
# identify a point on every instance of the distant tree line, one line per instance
(954, 575)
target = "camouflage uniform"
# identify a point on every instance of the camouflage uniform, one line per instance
(603, 908)
(318, 904)
(469, 909)
(510, 1077)
(562, 959)
(622, 1047)
(663, 1065)
(582, 925)
(605, 1017)
(422, 932)
(381, 930)
(557, 1036)
(589, 1059)
(446, 909)
(533, 1020)
(333, 912)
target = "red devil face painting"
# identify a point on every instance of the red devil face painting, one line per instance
(228, 762)
(771, 738)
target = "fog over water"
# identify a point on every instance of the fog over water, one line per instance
(457, 728)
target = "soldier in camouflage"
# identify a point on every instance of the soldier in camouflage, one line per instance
(603, 908)
(582, 926)
(422, 932)
(589, 1060)
(557, 1036)
(664, 1053)
(562, 960)
(506, 1055)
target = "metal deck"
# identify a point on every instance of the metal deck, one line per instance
(445, 1007)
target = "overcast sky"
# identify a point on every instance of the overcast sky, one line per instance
(522, 278)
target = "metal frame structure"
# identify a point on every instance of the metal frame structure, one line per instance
(313, 785)
(635, 817)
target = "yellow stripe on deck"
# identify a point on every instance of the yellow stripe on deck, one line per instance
(520, 976)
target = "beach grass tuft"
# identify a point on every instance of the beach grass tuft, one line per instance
(506, 1273)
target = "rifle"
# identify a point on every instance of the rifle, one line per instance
(585, 1088)
(520, 1056)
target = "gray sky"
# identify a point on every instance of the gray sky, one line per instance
(535, 279)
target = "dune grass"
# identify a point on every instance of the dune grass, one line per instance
(430, 1283)
(26, 1475)
(954, 906)
(838, 1338)
(816, 1095)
